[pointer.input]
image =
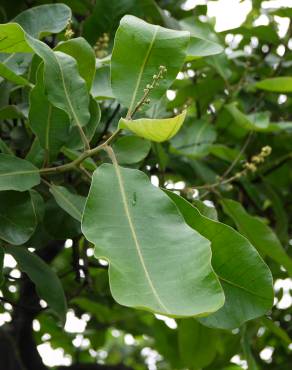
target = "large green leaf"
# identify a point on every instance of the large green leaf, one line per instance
(50, 124)
(84, 55)
(70, 202)
(259, 234)
(197, 344)
(276, 84)
(49, 18)
(45, 279)
(6, 73)
(245, 278)
(201, 48)
(147, 47)
(154, 129)
(17, 217)
(138, 229)
(17, 174)
(101, 88)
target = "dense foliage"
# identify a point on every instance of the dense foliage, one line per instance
(145, 186)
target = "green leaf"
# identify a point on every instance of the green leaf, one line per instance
(17, 217)
(201, 48)
(245, 278)
(1, 265)
(101, 88)
(47, 283)
(131, 149)
(49, 18)
(195, 139)
(12, 76)
(17, 174)
(10, 112)
(206, 210)
(276, 84)
(12, 39)
(74, 140)
(253, 122)
(147, 47)
(259, 234)
(13, 66)
(277, 330)
(134, 225)
(65, 88)
(50, 124)
(197, 344)
(84, 55)
(69, 202)
(157, 130)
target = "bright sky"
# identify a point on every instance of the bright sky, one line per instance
(232, 13)
(229, 14)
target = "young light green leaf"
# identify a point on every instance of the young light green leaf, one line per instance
(50, 124)
(148, 47)
(84, 55)
(197, 344)
(69, 202)
(17, 174)
(201, 48)
(276, 84)
(12, 39)
(45, 279)
(131, 149)
(49, 18)
(258, 233)
(154, 129)
(138, 229)
(17, 217)
(245, 278)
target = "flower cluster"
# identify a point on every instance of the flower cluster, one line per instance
(69, 33)
(155, 82)
(252, 166)
(101, 46)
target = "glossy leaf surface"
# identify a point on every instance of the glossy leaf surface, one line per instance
(148, 46)
(245, 278)
(17, 174)
(131, 222)
(17, 216)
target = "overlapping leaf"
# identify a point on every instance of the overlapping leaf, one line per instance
(17, 217)
(258, 233)
(131, 224)
(17, 174)
(148, 47)
(245, 278)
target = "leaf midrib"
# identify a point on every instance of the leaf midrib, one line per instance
(134, 236)
(142, 69)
